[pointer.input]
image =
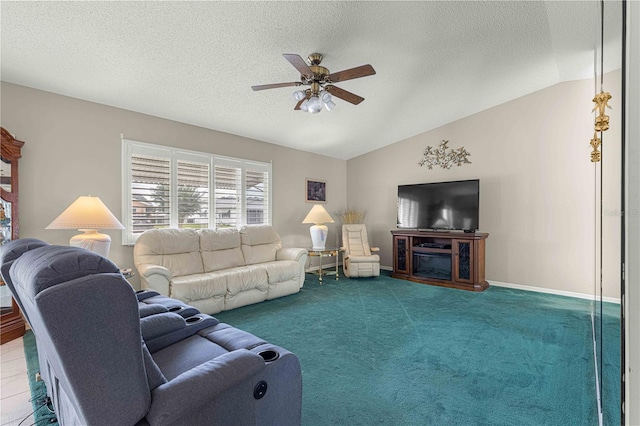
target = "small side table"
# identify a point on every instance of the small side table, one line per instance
(327, 252)
(127, 273)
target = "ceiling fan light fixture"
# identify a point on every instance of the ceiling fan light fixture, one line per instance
(329, 105)
(314, 105)
(321, 90)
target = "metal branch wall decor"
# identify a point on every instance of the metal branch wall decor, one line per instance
(440, 157)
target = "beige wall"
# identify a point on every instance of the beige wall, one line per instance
(72, 148)
(537, 186)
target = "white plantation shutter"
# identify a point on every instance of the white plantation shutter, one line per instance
(193, 194)
(257, 195)
(228, 193)
(149, 199)
(170, 188)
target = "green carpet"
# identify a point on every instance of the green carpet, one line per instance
(391, 352)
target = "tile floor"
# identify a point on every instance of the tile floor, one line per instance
(14, 386)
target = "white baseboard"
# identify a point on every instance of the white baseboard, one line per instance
(553, 291)
(615, 300)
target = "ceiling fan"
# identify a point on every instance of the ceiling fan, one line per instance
(320, 80)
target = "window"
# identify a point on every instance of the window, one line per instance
(173, 188)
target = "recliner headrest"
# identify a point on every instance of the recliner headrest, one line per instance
(44, 267)
(12, 250)
(16, 248)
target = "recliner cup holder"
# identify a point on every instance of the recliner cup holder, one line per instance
(269, 355)
(194, 320)
(176, 308)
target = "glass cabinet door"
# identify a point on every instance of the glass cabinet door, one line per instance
(463, 261)
(11, 321)
(6, 231)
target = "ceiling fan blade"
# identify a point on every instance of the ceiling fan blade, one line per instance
(298, 63)
(297, 107)
(357, 72)
(344, 95)
(276, 85)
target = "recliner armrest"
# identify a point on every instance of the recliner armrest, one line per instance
(164, 329)
(374, 249)
(148, 269)
(198, 389)
(291, 253)
(156, 277)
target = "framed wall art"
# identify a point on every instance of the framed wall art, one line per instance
(315, 191)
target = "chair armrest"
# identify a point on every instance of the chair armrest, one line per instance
(374, 249)
(155, 276)
(197, 389)
(291, 253)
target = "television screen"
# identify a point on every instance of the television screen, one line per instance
(442, 205)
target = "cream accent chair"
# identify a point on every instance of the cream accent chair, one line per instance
(358, 260)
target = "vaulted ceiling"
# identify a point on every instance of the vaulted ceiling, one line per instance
(195, 62)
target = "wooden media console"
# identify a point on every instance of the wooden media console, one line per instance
(448, 259)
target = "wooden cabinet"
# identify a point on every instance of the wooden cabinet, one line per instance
(449, 259)
(12, 324)
(400, 252)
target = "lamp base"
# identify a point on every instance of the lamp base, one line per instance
(92, 240)
(318, 236)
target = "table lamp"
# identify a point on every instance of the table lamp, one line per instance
(88, 214)
(318, 216)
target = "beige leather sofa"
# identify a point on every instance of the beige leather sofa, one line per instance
(217, 270)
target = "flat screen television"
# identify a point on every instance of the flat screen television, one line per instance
(440, 206)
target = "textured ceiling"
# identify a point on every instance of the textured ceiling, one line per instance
(195, 62)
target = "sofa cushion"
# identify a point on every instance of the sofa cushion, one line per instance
(199, 286)
(220, 249)
(245, 285)
(178, 250)
(246, 278)
(283, 270)
(260, 243)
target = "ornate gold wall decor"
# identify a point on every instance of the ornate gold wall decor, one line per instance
(602, 121)
(595, 143)
(440, 157)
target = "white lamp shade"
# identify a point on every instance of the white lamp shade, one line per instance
(88, 214)
(318, 216)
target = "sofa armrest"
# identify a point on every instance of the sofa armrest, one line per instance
(195, 391)
(290, 253)
(300, 255)
(156, 277)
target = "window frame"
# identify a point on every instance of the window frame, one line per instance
(131, 147)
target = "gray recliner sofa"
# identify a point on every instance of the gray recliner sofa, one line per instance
(107, 363)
